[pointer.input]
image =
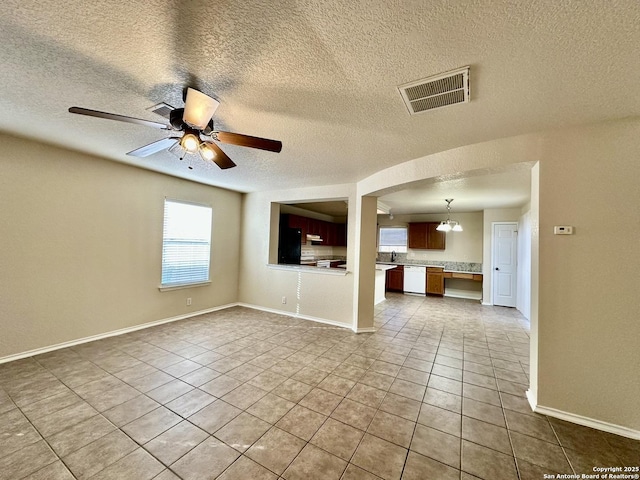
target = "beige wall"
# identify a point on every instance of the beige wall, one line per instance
(82, 242)
(465, 246)
(584, 293)
(308, 294)
(589, 326)
(56, 286)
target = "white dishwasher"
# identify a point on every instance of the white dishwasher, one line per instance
(415, 279)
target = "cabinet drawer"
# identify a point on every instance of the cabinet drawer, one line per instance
(466, 276)
(435, 269)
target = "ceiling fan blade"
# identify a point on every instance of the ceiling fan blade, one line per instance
(154, 147)
(120, 118)
(198, 109)
(248, 141)
(221, 159)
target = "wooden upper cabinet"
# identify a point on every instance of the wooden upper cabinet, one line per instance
(418, 235)
(296, 221)
(341, 234)
(435, 239)
(332, 234)
(424, 236)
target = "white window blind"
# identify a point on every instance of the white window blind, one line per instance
(393, 239)
(186, 243)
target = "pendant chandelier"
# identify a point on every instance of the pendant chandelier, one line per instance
(449, 225)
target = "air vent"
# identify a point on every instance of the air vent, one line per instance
(162, 109)
(437, 91)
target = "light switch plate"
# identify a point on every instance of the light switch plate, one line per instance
(563, 230)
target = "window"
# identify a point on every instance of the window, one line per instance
(186, 243)
(393, 239)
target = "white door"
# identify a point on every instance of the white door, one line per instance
(505, 242)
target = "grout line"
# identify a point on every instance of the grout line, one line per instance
(403, 328)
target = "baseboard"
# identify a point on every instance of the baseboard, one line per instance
(532, 398)
(487, 304)
(365, 330)
(584, 421)
(122, 331)
(295, 315)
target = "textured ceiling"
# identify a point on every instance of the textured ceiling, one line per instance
(475, 193)
(320, 76)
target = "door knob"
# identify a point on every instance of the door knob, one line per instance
(497, 268)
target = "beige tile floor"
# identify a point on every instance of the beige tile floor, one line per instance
(436, 393)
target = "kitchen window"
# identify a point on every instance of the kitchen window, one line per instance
(186, 244)
(392, 239)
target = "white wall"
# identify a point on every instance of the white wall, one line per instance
(82, 246)
(465, 246)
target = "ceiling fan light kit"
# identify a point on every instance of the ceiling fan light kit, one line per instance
(198, 109)
(449, 225)
(190, 142)
(196, 124)
(206, 152)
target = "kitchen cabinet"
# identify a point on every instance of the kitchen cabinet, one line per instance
(395, 279)
(296, 221)
(332, 234)
(435, 281)
(341, 234)
(424, 236)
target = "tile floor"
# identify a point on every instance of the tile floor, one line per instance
(436, 393)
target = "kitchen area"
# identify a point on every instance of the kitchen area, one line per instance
(313, 235)
(413, 257)
(408, 250)
(417, 258)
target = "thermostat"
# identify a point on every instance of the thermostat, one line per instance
(563, 230)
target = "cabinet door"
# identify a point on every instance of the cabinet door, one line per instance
(314, 226)
(435, 239)
(395, 279)
(341, 234)
(296, 221)
(323, 231)
(331, 234)
(435, 281)
(418, 235)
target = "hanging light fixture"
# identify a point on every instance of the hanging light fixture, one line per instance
(449, 225)
(190, 141)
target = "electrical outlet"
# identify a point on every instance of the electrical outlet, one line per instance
(188, 301)
(284, 300)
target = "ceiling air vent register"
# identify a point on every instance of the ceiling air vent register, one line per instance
(436, 91)
(162, 109)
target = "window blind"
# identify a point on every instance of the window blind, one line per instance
(186, 243)
(392, 239)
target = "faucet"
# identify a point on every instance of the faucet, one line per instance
(393, 256)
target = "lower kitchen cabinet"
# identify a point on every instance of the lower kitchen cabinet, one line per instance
(435, 281)
(395, 279)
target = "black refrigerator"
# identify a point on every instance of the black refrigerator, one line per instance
(289, 246)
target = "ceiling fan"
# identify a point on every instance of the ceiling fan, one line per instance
(192, 131)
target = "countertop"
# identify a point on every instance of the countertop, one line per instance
(386, 266)
(395, 264)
